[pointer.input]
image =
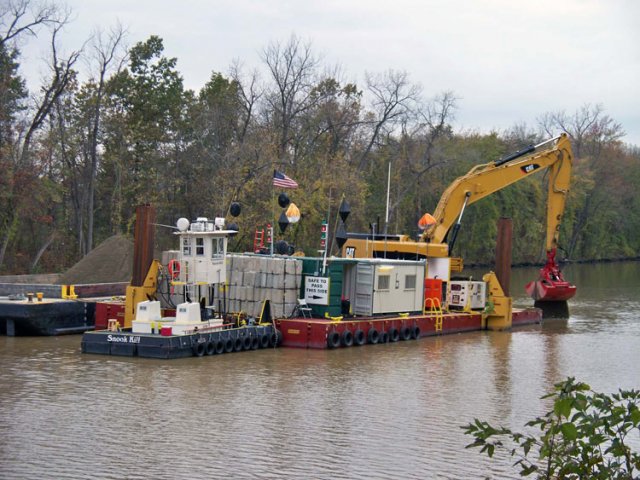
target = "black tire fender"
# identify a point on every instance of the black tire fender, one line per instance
(347, 338)
(415, 332)
(199, 349)
(333, 339)
(405, 333)
(373, 336)
(394, 335)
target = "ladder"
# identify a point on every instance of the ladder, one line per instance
(433, 308)
(258, 240)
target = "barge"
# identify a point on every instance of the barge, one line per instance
(356, 301)
(328, 334)
(212, 302)
(29, 316)
(49, 309)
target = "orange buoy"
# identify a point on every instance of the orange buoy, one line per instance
(425, 221)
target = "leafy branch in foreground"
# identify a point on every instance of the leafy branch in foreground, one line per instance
(586, 435)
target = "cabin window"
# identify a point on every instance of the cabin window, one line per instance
(186, 247)
(217, 247)
(410, 282)
(199, 246)
(383, 282)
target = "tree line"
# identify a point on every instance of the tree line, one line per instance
(112, 126)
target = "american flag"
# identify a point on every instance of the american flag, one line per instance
(282, 181)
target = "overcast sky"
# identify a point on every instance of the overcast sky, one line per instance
(508, 61)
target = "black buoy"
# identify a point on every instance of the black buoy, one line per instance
(345, 210)
(234, 227)
(235, 209)
(283, 222)
(283, 200)
(341, 235)
(282, 247)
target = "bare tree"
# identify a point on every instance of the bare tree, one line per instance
(433, 124)
(24, 17)
(106, 54)
(591, 131)
(250, 93)
(392, 98)
(61, 73)
(588, 127)
(293, 69)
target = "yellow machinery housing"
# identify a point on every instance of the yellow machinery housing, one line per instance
(146, 291)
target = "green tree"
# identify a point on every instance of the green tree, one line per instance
(146, 107)
(585, 435)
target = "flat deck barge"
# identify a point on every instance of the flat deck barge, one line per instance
(324, 333)
(46, 316)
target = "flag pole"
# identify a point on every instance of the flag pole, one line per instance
(273, 211)
(326, 241)
(386, 217)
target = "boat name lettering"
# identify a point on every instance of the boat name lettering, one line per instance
(122, 339)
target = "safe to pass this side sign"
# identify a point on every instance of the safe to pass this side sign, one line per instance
(316, 290)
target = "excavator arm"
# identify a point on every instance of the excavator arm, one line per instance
(483, 180)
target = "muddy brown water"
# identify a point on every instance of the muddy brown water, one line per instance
(383, 411)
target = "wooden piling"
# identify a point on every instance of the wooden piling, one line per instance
(504, 245)
(144, 237)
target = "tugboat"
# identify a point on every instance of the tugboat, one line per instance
(198, 327)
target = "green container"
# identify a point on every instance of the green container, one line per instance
(312, 267)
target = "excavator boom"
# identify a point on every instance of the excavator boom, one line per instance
(483, 180)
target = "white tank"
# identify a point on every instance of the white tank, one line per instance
(188, 313)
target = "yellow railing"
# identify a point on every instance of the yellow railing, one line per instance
(433, 307)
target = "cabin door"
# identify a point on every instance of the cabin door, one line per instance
(363, 304)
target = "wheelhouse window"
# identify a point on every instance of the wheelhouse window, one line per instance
(199, 246)
(217, 247)
(186, 246)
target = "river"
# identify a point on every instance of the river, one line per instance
(383, 411)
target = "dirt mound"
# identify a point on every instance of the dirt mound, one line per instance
(109, 262)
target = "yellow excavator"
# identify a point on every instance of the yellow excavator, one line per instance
(441, 228)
